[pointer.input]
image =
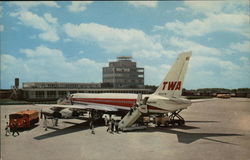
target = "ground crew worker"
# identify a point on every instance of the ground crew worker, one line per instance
(53, 122)
(106, 120)
(56, 116)
(7, 129)
(109, 126)
(92, 127)
(112, 125)
(41, 114)
(56, 121)
(131, 111)
(45, 125)
(92, 114)
(116, 126)
(15, 129)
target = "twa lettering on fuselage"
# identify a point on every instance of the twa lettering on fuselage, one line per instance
(172, 85)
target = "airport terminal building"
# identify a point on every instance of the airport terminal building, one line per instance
(54, 90)
(121, 76)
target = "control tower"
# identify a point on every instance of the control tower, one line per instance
(123, 73)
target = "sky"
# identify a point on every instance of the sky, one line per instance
(71, 41)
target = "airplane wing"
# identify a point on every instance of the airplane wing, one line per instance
(202, 100)
(87, 106)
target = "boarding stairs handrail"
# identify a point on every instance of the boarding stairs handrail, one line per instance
(135, 112)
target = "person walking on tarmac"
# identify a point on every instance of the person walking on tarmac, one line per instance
(15, 129)
(106, 120)
(116, 126)
(56, 121)
(112, 125)
(109, 126)
(91, 126)
(7, 129)
(45, 123)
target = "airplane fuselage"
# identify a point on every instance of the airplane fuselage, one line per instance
(155, 103)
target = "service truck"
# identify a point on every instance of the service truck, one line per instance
(24, 119)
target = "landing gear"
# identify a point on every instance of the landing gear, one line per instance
(172, 120)
(96, 116)
(179, 121)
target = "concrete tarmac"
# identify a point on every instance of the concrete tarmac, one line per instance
(214, 130)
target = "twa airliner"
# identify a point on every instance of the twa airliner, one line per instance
(166, 99)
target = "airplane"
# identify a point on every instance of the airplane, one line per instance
(165, 100)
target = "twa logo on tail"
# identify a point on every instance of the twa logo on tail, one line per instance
(172, 85)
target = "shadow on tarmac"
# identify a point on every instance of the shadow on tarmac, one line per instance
(26, 129)
(202, 121)
(76, 127)
(187, 138)
(179, 131)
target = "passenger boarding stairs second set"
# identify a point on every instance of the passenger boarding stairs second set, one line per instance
(135, 112)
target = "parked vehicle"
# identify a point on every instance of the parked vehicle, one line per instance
(24, 119)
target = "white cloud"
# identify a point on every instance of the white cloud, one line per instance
(241, 46)
(205, 7)
(245, 60)
(1, 28)
(50, 18)
(180, 9)
(150, 4)
(25, 5)
(217, 7)
(33, 20)
(81, 52)
(86, 62)
(198, 62)
(218, 73)
(196, 48)
(245, 63)
(115, 40)
(42, 51)
(47, 24)
(33, 37)
(237, 23)
(44, 64)
(78, 6)
(49, 36)
(155, 74)
(1, 11)
(229, 16)
(228, 65)
(67, 40)
(146, 54)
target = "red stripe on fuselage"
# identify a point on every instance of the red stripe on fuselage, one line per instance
(117, 102)
(109, 101)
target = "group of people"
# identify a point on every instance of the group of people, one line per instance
(113, 125)
(45, 122)
(14, 129)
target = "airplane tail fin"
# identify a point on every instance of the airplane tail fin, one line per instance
(171, 85)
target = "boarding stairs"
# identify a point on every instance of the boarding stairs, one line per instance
(136, 111)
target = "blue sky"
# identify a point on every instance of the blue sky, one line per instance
(71, 41)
